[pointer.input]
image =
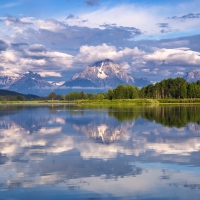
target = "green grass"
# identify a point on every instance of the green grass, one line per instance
(121, 102)
(179, 101)
(34, 102)
(106, 102)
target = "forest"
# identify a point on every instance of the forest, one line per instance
(6, 95)
(177, 88)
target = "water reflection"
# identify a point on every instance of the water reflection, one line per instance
(96, 151)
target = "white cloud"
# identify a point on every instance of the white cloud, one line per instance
(129, 15)
(179, 43)
(179, 73)
(90, 54)
(37, 58)
(145, 70)
(46, 73)
(174, 56)
(50, 24)
(144, 18)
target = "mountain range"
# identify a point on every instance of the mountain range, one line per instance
(104, 73)
(192, 76)
(95, 78)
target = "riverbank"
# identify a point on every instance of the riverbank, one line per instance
(119, 102)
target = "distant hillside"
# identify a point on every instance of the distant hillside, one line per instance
(12, 93)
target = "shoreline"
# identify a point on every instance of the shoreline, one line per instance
(105, 102)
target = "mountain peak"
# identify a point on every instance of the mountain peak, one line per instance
(104, 73)
(192, 76)
(30, 82)
(99, 63)
(30, 73)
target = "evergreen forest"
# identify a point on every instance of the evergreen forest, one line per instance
(177, 88)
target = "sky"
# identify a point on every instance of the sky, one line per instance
(149, 38)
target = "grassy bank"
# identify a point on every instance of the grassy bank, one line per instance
(35, 102)
(119, 102)
(179, 101)
(104, 102)
(139, 101)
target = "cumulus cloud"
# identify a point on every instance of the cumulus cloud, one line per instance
(3, 45)
(179, 73)
(53, 47)
(70, 16)
(15, 21)
(188, 16)
(20, 57)
(92, 2)
(174, 56)
(90, 54)
(18, 44)
(51, 25)
(163, 25)
(35, 58)
(37, 48)
(62, 36)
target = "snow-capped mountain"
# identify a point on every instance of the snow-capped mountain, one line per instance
(6, 81)
(192, 76)
(104, 73)
(31, 83)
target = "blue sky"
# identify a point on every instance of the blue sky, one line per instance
(154, 39)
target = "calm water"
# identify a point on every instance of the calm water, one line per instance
(66, 152)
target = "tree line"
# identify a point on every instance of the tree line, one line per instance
(6, 95)
(168, 88)
(177, 88)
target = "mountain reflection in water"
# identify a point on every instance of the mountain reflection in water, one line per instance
(143, 151)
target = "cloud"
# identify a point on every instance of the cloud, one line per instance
(16, 22)
(188, 16)
(92, 2)
(163, 25)
(37, 48)
(91, 54)
(174, 57)
(179, 43)
(3, 45)
(53, 47)
(127, 12)
(145, 70)
(19, 44)
(179, 73)
(61, 36)
(70, 16)
(34, 58)
(51, 25)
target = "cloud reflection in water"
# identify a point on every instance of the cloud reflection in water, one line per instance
(86, 150)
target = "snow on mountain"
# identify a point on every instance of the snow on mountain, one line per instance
(104, 73)
(31, 83)
(101, 73)
(192, 76)
(6, 81)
